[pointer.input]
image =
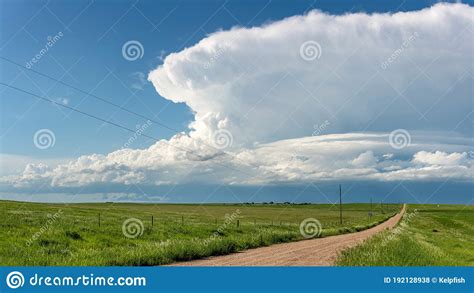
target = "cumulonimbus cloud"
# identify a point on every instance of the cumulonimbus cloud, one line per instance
(374, 72)
(286, 112)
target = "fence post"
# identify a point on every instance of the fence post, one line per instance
(238, 223)
(152, 221)
(182, 220)
(99, 219)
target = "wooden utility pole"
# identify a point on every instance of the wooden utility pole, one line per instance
(340, 204)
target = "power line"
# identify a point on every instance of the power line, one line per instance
(119, 107)
(91, 95)
(128, 111)
(115, 124)
(76, 110)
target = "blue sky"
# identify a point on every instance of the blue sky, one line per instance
(88, 55)
(90, 51)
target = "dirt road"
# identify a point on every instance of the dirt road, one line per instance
(314, 252)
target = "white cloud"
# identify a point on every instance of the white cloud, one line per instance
(440, 158)
(387, 156)
(64, 101)
(15, 164)
(308, 159)
(162, 55)
(366, 159)
(253, 83)
(139, 80)
(255, 80)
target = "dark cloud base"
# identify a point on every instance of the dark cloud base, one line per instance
(442, 192)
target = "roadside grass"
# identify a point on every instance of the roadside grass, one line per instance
(428, 235)
(59, 234)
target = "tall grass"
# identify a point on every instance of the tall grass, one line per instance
(429, 235)
(53, 234)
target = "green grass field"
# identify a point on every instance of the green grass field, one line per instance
(428, 235)
(56, 234)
